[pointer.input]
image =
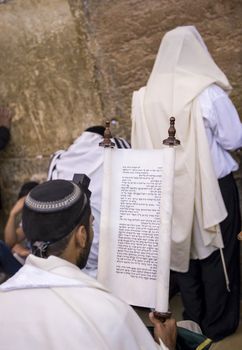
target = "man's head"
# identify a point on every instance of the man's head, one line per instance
(56, 219)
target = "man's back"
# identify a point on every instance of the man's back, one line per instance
(75, 313)
(85, 156)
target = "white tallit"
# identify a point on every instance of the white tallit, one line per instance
(182, 70)
(85, 156)
(57, 306)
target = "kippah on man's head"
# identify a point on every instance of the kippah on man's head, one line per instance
(53, 209)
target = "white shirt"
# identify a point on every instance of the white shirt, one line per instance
(51, 304)
(223, 128)
(224, 132)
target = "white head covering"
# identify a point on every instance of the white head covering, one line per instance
(183, 69)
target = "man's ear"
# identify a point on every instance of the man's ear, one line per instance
(81, 236)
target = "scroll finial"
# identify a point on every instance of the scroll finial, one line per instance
(107, 143)
(171, 140)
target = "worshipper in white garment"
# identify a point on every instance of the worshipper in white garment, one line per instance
(86, 156)
(187, 84)
(56, 305)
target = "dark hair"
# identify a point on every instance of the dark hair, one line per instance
(58, 247)
(97, 129)
(26, 188)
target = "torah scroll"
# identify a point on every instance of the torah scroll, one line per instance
(135, 231)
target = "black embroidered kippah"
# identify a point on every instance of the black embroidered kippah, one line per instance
(61, 199)
(53, 209)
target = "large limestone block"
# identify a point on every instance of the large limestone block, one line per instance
(46, 75)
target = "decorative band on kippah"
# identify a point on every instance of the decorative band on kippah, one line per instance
(52, 206)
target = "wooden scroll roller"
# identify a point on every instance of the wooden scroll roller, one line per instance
(171, 140)
(107, 142)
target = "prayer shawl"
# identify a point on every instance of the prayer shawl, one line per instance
(85, 156)
(182, 70)
(57, 306)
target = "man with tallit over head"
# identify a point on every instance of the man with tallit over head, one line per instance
(187, 84)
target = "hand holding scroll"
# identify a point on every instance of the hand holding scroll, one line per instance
(166, 331)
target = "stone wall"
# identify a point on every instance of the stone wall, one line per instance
(66, 65)
(47, 76)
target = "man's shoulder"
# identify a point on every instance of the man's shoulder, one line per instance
(209, 96)
(214, 91)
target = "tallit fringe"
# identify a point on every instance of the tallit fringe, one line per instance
(225, 270)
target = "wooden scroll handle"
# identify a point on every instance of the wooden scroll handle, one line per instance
(107, 142)
(162, 316)
(171, 140)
